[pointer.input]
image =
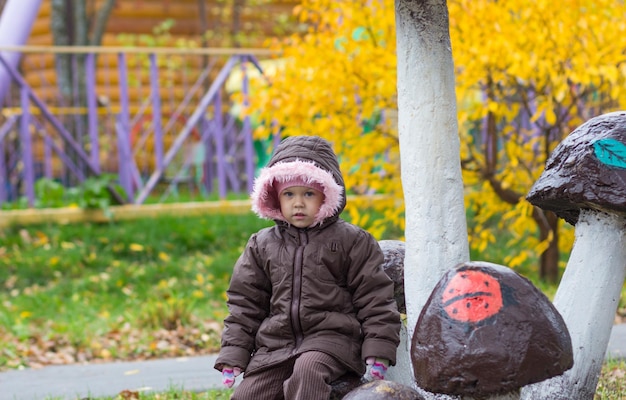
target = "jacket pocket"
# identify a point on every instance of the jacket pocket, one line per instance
(272, 334)
(330, 266)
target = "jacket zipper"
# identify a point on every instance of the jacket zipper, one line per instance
(296, 289)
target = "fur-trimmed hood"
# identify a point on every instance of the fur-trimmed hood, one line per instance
(309, 158)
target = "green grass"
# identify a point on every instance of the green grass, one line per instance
(612, 384)
(106, 291)
(51, 193)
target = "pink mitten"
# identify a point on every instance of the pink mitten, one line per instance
(229, 374)
(376, 368)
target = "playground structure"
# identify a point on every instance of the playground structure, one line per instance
(158, 118)
(155, 119)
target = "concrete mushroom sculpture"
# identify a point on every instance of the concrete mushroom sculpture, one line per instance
(393, 264)
(584, 182)
(486, 332)
(384, 390)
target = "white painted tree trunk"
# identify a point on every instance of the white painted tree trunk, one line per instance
(587, 298)
(436, 228)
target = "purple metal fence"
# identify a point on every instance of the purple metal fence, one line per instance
(154, 118)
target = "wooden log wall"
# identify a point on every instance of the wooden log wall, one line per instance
(259, 20)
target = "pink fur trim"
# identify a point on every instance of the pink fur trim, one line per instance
(265, 199)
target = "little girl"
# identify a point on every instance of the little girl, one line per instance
(308, 300)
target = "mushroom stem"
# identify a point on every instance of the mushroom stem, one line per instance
(587, 298)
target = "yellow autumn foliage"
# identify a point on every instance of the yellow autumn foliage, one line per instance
(527, 74)
(337, 80)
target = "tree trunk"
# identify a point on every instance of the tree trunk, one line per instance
(238, 6)
(204, 27)
(61, 26)
(70, 24)
(436, 229)
(100, 22)
(70, 27)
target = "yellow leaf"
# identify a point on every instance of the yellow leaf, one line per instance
(135, 247)
(550, 116)
(163, 284)
(131, 372)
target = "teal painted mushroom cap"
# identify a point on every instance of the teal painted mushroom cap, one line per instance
(587, 170)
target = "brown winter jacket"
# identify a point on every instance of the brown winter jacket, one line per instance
(320, 288)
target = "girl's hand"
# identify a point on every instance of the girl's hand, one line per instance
(229, 374)
(376, 368)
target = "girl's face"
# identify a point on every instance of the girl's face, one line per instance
(300, 204)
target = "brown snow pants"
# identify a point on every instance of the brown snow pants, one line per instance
(306, 377)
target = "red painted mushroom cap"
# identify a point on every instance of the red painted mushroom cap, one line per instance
(487, 330)
(587, 170)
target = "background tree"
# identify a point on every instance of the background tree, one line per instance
(338, 80)
(526, 75)
(76, 23)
